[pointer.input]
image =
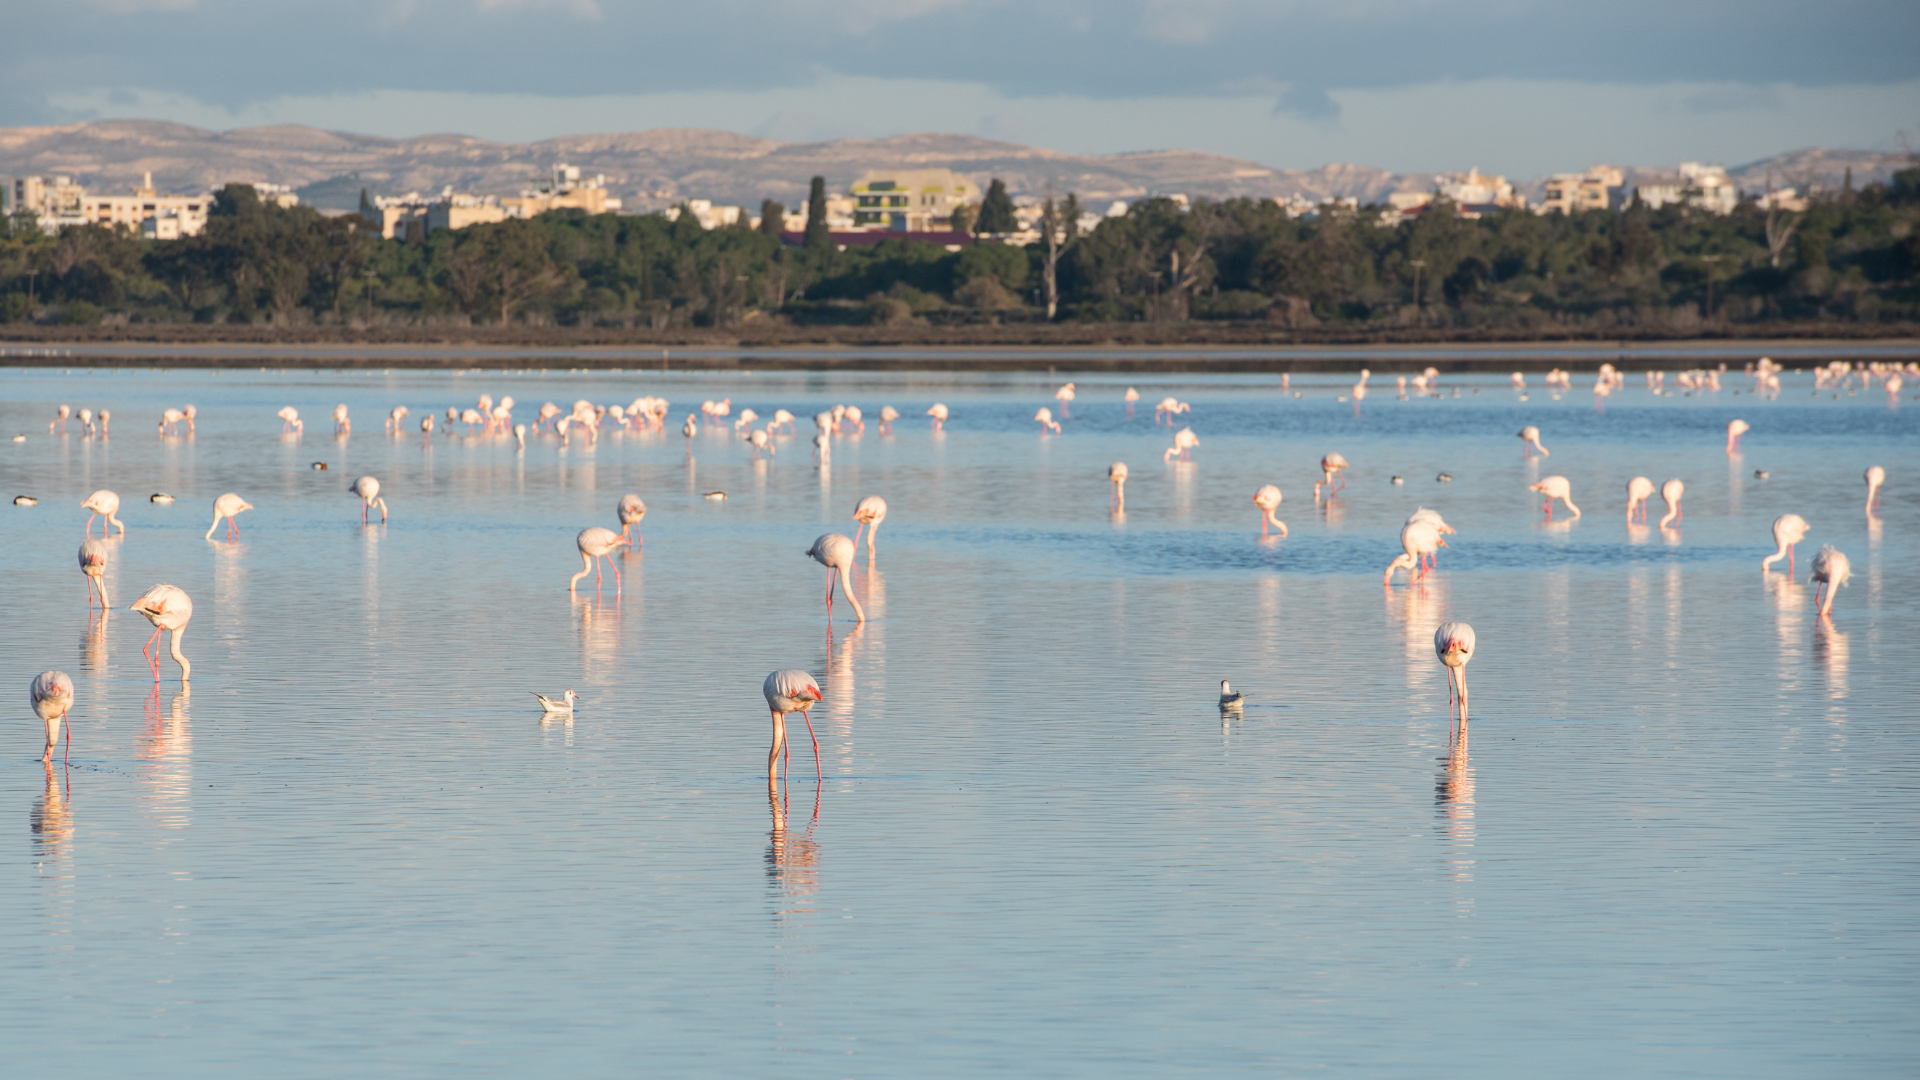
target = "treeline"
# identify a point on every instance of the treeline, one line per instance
(1852, 255)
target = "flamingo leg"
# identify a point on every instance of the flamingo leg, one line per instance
(818, 774)
(616, 574)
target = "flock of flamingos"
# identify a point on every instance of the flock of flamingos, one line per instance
(792, 690)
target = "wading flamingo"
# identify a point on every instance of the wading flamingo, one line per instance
(398, 414)
(93, 563)
(189, 412)
(1418, 539)
(939, 414)
(835, 552)
(1831, 569)
(170, 418)
(1433, 518)
(227, 506)
(789, 690)
(1876, 476)
(823, 448)
(596, 543)
(1268, 500)
(1064, 396)
(1332, 466)
(760, 442)
(1453, 644)
(105, 504)
(852, 419)
(1117, 479)
(368, 489)
(1133, 398)
(869, 512)
(888, 414)
(630, 511)
(1047, 422)
(1788, 530)
(1735, 429)
(167, 608)
(426, 429)
(1555, 487)
(290, 420)
(1530, 443)
(1670, 492)
(1184, 441)
(52, 697)
(60, 417)
(341, 425)
(1639, 490)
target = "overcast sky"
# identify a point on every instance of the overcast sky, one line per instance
(1516, 86)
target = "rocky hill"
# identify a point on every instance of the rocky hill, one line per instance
(651, 169)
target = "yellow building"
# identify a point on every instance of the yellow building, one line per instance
(910, 200)
(566, 190)
(1573, 193)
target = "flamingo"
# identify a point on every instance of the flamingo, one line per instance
(939, 414)
(1184, 441)
(1555, 487)
(290, 420)
(760, 442)
(630, 511)
(1433, 518)
(60, 417)
(1418, 539)
(471, 417)
(823, 448)
(547, 413)
(341, 425)
(520, 435)
(1639, 490)
(453, 417)
(1876, 476)
(104, 417)
(52, 697)
(1166, 408)
(1268, 500)
(596, 543)
(869, 512)
(853, 420)
(426, 429)
(747, 417)
(1530, 442)
(227, 506)
(1132, 397)
(1047, 422)
(1788, 530)
(790, 690)
(105, 504)
(1831, 569)
(835, 552)
(86, 422)
(1117, 477)
(398, 414)
(167, 608)
(170, 418)
(839, 415)
(783, 418)
(1333, 465)
(1519, 380)
(368, 489)
(690, 429)
(1064, 396)
(1359, 395)
(1670, 492)
(189, 412)
(1453, 643)
(888, 414)
(1735, 429)
(93, 563)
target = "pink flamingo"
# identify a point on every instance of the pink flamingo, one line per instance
(1117, 477)
(1433, 518)
(869, 512)
(1555, 487)
(93, 563)
(1133, 398)
(939, 414)
(1735, 429)
(596, 543)
(1418, 539)
(1453, 643)
(1064, 396)
(227, 506)
(1831, 569)
(368, 489)
(1788, 530)
(888, 414)
(60, 418)
(1047, 422)
(167, 608)
(835, 552)
(630, 511)
(790, 690)
(1876, 476)
(52, 697)
(1670, 492)
(1639, 490)
(105, 504)
(1268, 500)
(1530, 442)
(1333, 466)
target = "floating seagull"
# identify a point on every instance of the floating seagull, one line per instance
(1444, 478)
(25, 500)
(1760, 474)
(563, 706)
(1229, 698)
(160, 497)
(716, 496)
(19, 438)
(1399, 479)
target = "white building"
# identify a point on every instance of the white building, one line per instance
(62, 203)
(1705, 186)
(1574, 193)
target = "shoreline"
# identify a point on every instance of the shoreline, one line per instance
(1198, 358)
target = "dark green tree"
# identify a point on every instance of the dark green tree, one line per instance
(772, 217)
(996, 210)
(817, 236)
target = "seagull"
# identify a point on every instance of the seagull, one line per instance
(563, 706)
(1230, 699)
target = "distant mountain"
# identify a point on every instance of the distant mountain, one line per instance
(652, 169)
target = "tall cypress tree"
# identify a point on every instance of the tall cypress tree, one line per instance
(817, 236)
(996, 210)
(773, 217)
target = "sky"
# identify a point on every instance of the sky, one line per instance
(1520, 87)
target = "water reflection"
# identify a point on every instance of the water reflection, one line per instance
(166, 748)
(50, 822)
(793, 861)
(93, 644)
(1830, 651)
(1453, 799)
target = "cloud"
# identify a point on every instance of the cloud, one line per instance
(1720, 99)
(1309, 103)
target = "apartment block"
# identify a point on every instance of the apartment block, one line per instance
(909, 200)
(1575, 193)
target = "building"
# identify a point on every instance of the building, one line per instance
(909, 200)
(451, 211)
(564, 190)
(54, 204)
(1575, 193)
(1707, 187)
(61, 203)
(713, 217)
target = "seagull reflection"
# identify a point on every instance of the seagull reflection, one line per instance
(50, 821)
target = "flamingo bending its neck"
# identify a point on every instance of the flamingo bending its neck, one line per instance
(790, 690)
(1735, 429)
(869, 512)
(105, 504)
(93, 564)
(835, 552)
(1876, 476)
(52, 697)
(1453, 643)
(1117, 479)
(1639, 490)
(1831, 569)
(630, 511)
(167, 608)
(1268, 500)
(596, 543)
(1555, 487)
(368, 489)
(227, 506)
(1788, 530)
(1530, 442)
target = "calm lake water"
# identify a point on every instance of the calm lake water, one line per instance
(1680, 842)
